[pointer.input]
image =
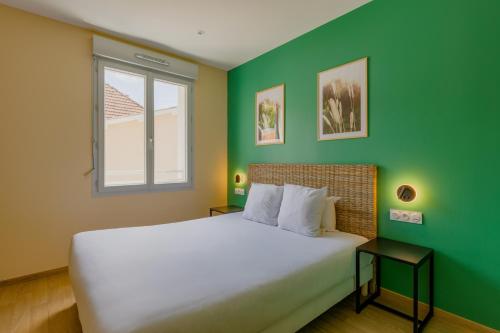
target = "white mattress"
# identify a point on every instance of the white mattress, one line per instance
(219, 274)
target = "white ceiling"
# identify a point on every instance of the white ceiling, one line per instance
(235, 30)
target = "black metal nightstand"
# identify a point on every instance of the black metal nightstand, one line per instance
(405, 253)
(225, 209)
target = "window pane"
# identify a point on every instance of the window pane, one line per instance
(169, 133)
(124, 130)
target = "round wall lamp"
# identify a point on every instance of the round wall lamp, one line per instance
(240, 179)
(406, 193)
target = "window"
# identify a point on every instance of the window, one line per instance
(143, 125)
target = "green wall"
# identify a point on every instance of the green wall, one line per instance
(434, 113)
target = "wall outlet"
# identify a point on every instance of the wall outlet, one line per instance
(406, 216)
(239, 191)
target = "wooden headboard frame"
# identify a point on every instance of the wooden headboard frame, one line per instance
(355, 184)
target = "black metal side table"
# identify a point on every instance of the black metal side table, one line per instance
(405, 253)
(225, 209)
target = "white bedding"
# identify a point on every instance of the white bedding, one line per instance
(219, 274)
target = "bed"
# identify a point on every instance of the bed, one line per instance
(225, 273)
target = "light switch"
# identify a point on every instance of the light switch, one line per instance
(406, 216)
(239, 191)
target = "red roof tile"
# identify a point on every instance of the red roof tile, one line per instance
(118, 105)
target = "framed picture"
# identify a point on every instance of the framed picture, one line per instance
(342, 101)
(270, 116)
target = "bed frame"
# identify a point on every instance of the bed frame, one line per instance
(356, 184)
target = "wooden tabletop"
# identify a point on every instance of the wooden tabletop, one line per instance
(227, 209)
(404, 252)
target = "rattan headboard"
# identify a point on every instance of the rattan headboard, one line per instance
(355, 184)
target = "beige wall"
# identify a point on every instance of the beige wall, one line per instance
(124, 149)
(45, 132)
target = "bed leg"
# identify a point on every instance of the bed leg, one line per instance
(364, 290)
(373, 286)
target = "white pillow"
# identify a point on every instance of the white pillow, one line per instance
(329, 218)
(301, 209)
(263, 203)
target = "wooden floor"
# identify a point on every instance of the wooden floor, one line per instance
(47, 305)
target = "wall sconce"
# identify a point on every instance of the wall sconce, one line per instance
(240, 179)
(406, 193)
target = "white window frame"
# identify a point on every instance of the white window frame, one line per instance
(98, 128)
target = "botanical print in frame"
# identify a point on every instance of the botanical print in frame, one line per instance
(342, 101)
(270, 116)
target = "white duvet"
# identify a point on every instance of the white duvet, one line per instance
(219, 274)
